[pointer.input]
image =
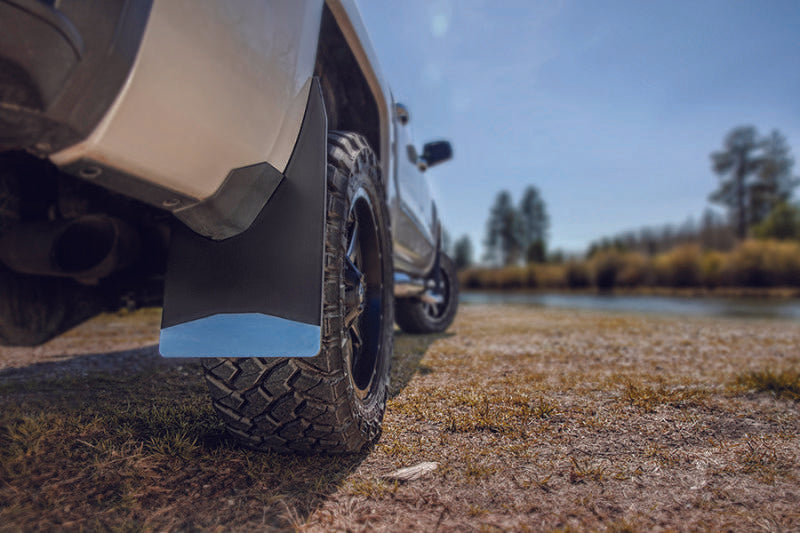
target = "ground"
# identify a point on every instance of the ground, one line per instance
(538, 419)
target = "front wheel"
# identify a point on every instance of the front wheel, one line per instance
(333, 402)
(414, 315)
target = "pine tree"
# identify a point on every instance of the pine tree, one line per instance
(535, 223)
(503, 232)
(736, 164)
(775, 181)
(462, 252)
(755, 176)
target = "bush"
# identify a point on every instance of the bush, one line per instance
(551, 276)
(513, 278)
(782, 223)
(634, 270)
(532, 280)
(763, 264)
(711, 269)
(470, 278)
(751, 264)
(576, 275)
(679, 267)
(605, 266)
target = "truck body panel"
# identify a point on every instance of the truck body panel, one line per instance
(204, 122)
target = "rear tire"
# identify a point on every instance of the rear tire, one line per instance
(34, 309)
(333, 402)
(416, 316)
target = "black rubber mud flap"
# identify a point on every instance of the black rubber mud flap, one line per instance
(258, 294)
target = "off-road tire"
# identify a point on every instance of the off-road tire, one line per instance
(415, 316)
(324, 404)
(34, 309)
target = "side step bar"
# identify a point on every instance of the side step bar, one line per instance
(406, 286)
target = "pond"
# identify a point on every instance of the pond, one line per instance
(763, 308)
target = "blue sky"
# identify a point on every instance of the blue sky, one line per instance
(610, 108)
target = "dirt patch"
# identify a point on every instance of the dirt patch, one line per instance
(538, 420)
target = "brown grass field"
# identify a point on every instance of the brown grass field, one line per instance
(540, 420)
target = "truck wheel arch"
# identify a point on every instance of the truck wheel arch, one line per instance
(350, 100)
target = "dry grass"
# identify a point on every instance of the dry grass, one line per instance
(783, 383)
(769, 267)
(539, 420)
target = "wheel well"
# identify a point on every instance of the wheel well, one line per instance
(349, 102)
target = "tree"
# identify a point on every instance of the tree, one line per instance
(447, 242)
(735, 165)
(715, 232)
(535, 223)
(755, 174)
(536, 252)
(775, 181)
(782, 223)
(462, 252)
(503, 232)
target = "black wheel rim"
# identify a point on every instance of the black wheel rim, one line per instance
(433, 310)
(363, 300)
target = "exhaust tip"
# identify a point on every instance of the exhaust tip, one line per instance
(86, 249)
(93, 247)
(84, 245)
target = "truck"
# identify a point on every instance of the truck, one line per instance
(242, 164)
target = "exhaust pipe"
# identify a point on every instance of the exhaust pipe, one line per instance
(87, 249)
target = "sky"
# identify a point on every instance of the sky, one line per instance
(610, 108)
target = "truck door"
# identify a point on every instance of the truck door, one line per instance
(415, 242)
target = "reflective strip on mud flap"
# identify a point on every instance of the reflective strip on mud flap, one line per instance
(240, 335)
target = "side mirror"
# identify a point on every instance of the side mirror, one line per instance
(436, 152)
(402, 114)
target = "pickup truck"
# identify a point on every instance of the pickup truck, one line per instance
(242, 164)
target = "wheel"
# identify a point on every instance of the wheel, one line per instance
(417, 316)
(34, 309)
(334, 402)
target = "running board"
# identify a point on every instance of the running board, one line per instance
(406, 286)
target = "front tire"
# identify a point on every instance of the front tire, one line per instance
(417, 316)
(333, 402)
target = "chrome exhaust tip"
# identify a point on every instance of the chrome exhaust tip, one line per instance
(87, 249)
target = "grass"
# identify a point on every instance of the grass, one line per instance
(539, 420)
(648, 398)
(781, 383)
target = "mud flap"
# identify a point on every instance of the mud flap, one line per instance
(258, 294)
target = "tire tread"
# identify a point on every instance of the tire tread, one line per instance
(292, 405)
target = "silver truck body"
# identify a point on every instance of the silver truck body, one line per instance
(243, 165)
(205, 91)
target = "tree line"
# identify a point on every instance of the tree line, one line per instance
(755, 188)
(514, 232)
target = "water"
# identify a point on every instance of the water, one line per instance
(669, 305)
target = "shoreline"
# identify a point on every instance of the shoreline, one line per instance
(763, 293)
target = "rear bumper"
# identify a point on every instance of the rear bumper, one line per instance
(61, 69)
(193, 106)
